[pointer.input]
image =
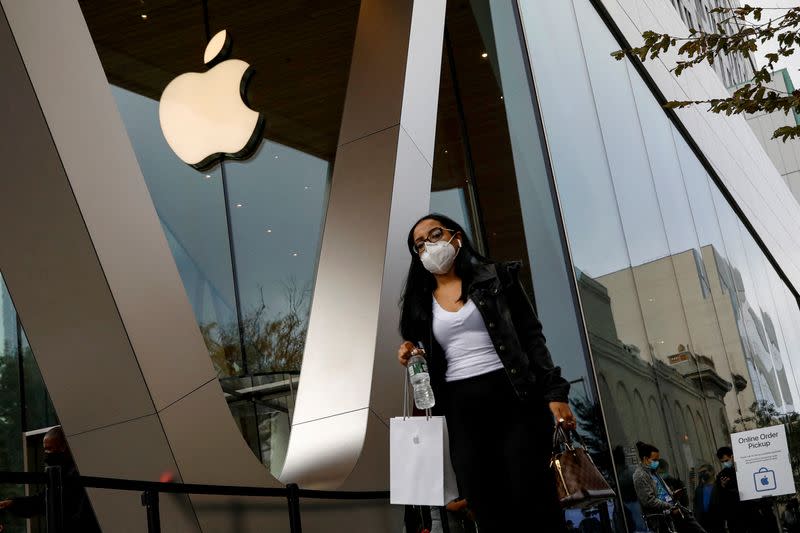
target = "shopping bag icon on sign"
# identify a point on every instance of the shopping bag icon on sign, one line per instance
(764, 479)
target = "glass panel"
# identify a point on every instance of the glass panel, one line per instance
(191, 208)
(691, 330)
(278, 201)
(11, 457)
(39, 411)
(245, 235)
(633, 159)
(490, 172)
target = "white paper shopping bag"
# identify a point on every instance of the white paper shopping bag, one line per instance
(420, 469)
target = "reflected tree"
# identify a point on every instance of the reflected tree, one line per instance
(590, 427)
(273, 342)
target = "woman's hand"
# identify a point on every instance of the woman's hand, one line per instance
(404, 353)
(563, 415)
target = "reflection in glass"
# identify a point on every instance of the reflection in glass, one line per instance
(244, 235)
(691, 330)
(490, 171)
(278, 201)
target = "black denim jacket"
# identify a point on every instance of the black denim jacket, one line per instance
(516, 333)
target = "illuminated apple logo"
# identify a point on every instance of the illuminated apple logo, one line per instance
(204, 115)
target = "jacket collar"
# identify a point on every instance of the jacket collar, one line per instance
(484, 272)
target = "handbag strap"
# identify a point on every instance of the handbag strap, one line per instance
(561, 440)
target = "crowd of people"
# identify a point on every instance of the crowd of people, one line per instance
(654, 500)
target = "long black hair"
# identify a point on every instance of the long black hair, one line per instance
(645, 450)
(416, 302)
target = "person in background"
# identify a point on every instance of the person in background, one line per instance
(676, 485)
(78, 514)
(752, 516)
(491, 373)
(590, 522)
(631, 507)
(791, 517)
(658, 503)
(703, 497)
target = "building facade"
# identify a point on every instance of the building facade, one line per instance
(696, 14)
(785, 155)
(237, 324)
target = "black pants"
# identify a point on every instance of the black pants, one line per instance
(500, 447)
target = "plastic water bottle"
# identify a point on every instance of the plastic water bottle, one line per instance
(421, 381)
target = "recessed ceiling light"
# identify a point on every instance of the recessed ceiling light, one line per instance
(269, 230)
(208, 176)
(144, 16)
(307, 188)
(484, 55)
(276, 157)
(445, 151)
(239, 205)
(295, 254)
(501, 98)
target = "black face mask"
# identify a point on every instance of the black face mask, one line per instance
(56, 459)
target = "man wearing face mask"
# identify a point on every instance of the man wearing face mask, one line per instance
(753, 516)
(78, 514)
(704, 497)
(659, 503)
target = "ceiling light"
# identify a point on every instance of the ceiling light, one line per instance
(295, 254)
(144, 16)
(239, 205)
(276, 157)
(484, 55)
(208, 176)
(307, 188)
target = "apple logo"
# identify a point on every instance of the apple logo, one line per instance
(204, 115)
(765, 481)
(416, 439)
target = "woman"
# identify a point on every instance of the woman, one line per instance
(491, 374)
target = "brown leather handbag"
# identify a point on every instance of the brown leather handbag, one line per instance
(578, 481)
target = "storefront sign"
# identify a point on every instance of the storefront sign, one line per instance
(204, 115)
(762, 463)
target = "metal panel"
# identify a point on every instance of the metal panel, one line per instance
(147, 456)
(380, 186)
(53, 275)
(112, 196)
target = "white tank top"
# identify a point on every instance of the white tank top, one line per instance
(466, 343)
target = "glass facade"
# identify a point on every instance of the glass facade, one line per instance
(691, 330)
(245, 235)
(24, 402)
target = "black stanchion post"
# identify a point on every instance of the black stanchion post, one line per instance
(150, 502)
(294, 508)
(54, 500)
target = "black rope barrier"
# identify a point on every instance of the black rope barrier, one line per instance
(150, 491)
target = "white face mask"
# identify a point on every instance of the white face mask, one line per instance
(438, 257)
